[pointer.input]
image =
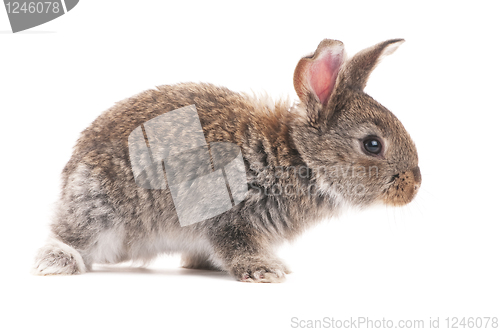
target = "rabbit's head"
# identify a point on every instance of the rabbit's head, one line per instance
(358, 151)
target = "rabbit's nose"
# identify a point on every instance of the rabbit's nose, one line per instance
(417, 176)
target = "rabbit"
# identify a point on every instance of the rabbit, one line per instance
(306, 161)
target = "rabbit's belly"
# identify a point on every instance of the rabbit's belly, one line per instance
(148, 248)
(109, 247)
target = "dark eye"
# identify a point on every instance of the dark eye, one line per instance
(372, 145)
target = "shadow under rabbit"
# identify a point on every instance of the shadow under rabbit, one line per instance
(106, 269)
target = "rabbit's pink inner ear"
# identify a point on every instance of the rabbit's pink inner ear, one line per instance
(323, 74)
(317, 74)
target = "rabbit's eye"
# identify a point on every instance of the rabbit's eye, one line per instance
(372, 145)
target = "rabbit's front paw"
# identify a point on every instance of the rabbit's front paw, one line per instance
(259, 271)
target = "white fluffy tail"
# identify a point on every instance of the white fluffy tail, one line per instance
(56, 257)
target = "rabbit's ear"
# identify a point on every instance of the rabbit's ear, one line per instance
(357, 70)
(315, 76)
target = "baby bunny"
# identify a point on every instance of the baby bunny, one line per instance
(124, 195)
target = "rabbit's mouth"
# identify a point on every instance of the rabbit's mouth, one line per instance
(403, 187)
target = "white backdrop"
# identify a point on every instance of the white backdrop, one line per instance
(437, 257)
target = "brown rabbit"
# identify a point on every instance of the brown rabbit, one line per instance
(337, 147)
